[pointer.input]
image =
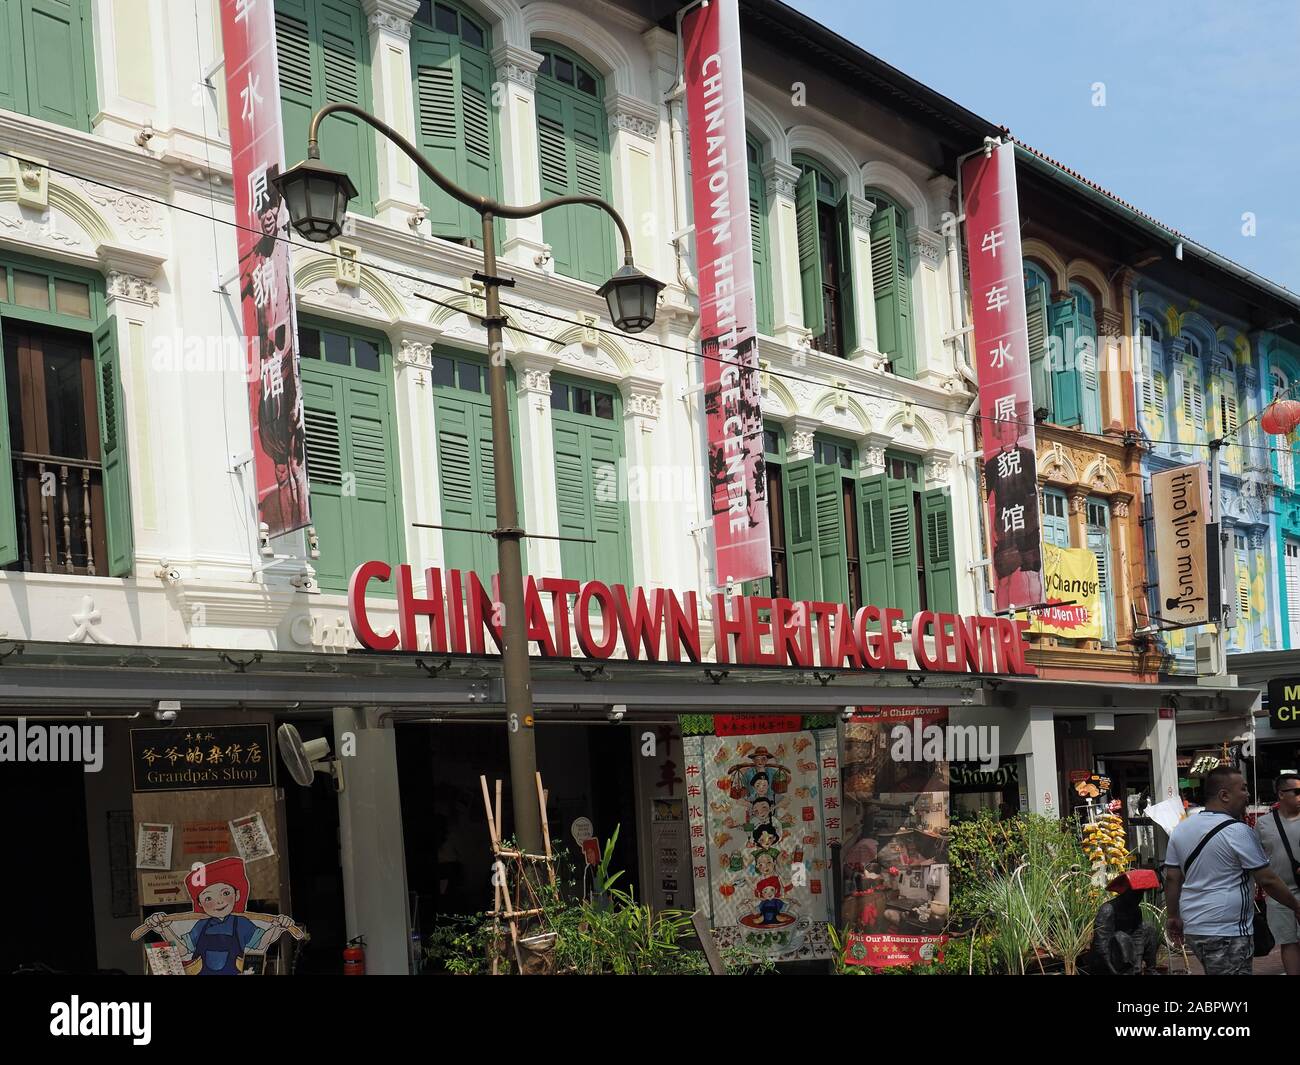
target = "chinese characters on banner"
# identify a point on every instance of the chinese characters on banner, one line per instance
(1001, 340)
(895, 859)
(715, 107)
(265, 276)
(760, 809)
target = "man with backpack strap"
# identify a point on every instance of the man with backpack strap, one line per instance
(1211, 858)
(1279, 833)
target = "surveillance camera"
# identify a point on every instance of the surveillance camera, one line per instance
(847, 713)
(167, 573)
(616, 713)
(167, 710)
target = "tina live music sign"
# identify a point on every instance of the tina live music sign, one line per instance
(461, 616)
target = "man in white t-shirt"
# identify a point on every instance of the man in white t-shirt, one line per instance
(1271, 827)
(1211, 859)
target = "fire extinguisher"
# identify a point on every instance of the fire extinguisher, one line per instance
(354, 957)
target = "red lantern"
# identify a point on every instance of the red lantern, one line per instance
(1280, 417)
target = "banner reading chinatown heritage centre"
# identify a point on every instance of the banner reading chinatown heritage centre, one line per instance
(715, 107)
(265, 276)
(1001, 341)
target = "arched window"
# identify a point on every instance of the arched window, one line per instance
(758, 237)
(451, 73)
(891, 283)
(1038, 295)
(573, 156)
(1154, 373)
(825, 258)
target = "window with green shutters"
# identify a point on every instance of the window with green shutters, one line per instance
(47, 64)
(1076, 396)
(759, 240)
(825, 259)
(324, 57)
(573, 157)
(63, 424)
(1056, 520)
(591, 498)
(451, 79)
(1098, 516)
(1037, 297)
(462, 418)
(351, 449)
(891, 283)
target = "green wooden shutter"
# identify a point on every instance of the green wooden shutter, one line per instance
(588, 503)
(802, 561)
(940, 570)
(902, 547)
(113, 453)
(9, 551)
(608, 509)
(758, 238)
(873, 541)
(457, 446)
(1039, 365)
(892, 288)
(55, 41)
(324, 57)
(1087, 370)
(572, 492)
(13, 61)
(832, 553)
(323, 405)
(810, 253)
(848, 309)
(1067, 382)
(452, 86)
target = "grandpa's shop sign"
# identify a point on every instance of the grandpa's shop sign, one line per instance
(462, 617)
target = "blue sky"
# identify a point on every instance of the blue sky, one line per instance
(1201, 121)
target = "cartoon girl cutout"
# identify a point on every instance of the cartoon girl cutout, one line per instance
(759, 767)
(218, 940)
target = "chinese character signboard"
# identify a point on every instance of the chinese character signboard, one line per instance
(1073, 592)
(211, 756)
(1001, 343)
(895, 859)
(265, 277)
(1180, 500)
(715, 106)
(761, 810)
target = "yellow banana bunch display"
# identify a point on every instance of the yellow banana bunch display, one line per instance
(1103, 841)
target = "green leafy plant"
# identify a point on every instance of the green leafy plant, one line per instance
(695, 724)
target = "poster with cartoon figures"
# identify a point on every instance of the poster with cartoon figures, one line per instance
(758, 846)
(894, 864)
(218, 935)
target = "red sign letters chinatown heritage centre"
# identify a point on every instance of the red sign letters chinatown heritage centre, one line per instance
(715, 108)
(461, 616)
(1001, 336)
(265, 275)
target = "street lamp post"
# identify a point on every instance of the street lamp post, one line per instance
(317, 197)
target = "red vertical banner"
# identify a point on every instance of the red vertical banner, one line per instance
(715, 108)
(1001, 339)
(265, 274)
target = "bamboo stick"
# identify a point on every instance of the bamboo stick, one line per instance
(487, 809)
(499, 812)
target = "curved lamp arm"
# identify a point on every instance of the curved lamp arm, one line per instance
(483, 204)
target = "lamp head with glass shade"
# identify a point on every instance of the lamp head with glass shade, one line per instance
(632, 297)
(317, 197)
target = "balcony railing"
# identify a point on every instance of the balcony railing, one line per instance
(60, 506)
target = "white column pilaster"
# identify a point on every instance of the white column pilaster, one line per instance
(389, 23)
(417, 444)
(642, 406)
(513, 95)
(633, 142)
(863, 295)
(537, 460)
(787, 296)
(925, 248)
(1040, 765)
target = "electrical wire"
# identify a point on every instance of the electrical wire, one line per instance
(1076, 433)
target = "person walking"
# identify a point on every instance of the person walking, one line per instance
(1211, 858)
(1279, 833)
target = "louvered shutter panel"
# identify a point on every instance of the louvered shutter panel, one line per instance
(1067, 382)
(832, 553)
(1039, 364)
(437, 110)
(1293, 594)
(476, 119)
(892, 288)
(554, 168)
(113, 452)
(1099, 545)
(1088, 371)
(346, 143)
(9, 547)
(873, 541)
(608, 512)
(593, 231)
(848, 308)
(758, 238)
(801, 531)
(902, 547)
(810, 256)
(55, 44)
(323, 419)
(458, 466)
(572, 491)
(13, 61)
(294, 58)
(1243, 597)
(940, 571)
(374, 526)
